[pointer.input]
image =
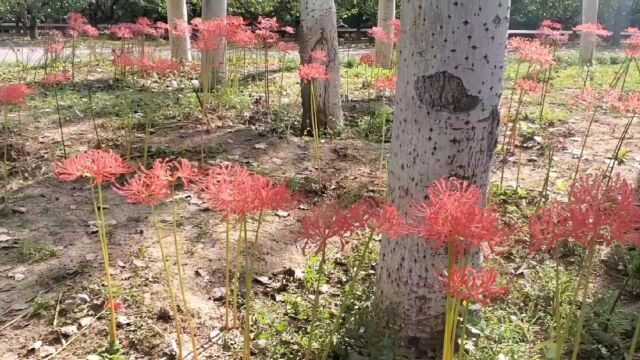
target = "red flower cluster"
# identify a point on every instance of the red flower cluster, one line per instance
(180, 29)
(378, 216)
(551, 32)
(319, 56)
(632, 44)
(14, 94)
(531, 51)
(478, 286)
(57, 78)
(325, 222)
(234, 190)
(386, 83)
(367, 59)
(380, 34)
(211, 34)
(148, 187)
(529, 86)
(98, 165)
(453, 216)
(79, 25)
(313, 71)
(621, 102)
(593, 29)
(287, 47)
(595, 213)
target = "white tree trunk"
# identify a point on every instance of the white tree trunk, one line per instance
(384, 50)
(587, 41)
(319, 31)
(215, 59)
(180, 46)
(452, 58)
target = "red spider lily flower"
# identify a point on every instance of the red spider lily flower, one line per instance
(161, 27)
(99, 166)
(614, 99)
(180, 28)
(367, 59)
(243, 39)
(478, 286)
(517, 44)
(226, 188)
(397, 29)
(76, 23)
(184, 170)
(593, 29)
(453, 216)
(289, 30)
(386, 83)
(549, 226)
(379, 34)
(162, 66)
(117, 305)
(633, 30)
(211, 34)
(124, 59)
(267, 23)
(14, 94)
(551, 32)
(148, 187)
(529, 86)
(287, 47)
(54, 48)
(143, 21)
(632, 46)
(319, 56)
(601, 213)
(57, 78)
(378, 216)
(313, 71)
(589, 97)
(632, 102)
(323, 223)
(121, 31)
(89, 31)
(269, 195)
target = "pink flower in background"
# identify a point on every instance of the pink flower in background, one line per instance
(99, 166)
(180, 29)
(319, 56)
(289, 30)
(121, 31)
(552, 32)
(367, 59)
(148, 186)
(267, 23)
(478, 286)
(57, 78)
(593, 29)
(529, 86)
(386, 83)
(287, 47)
(323, 223)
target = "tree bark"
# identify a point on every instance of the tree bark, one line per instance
(319, 31)
(384, 49)
(588, 41)
(180, 45)
(215, 59)
(452, 58)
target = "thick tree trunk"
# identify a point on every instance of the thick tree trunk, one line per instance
(446, 120)
(384, 49)
(215, 59)
(319, 31)
(180, 45)
(33, 28)
(588, 41)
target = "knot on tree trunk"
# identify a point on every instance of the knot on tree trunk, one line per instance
(443, 91)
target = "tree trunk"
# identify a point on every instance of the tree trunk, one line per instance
(33, 28)
(180, 45)
(319, 31)
(384, 49)
(452, 58)
(215, 59)
(588, 41)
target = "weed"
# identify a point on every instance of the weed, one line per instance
(35, 253)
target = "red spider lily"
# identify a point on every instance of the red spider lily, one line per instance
(76, 23)
(117, 305)
(319, 56)
(614, 99)
(14, 94)
(148, 186)
(552, 32)
(184, 170)
(589, 97)
(236, 21)
(289, 30)
(226, 188)
(386, 83)
(211, 34)
(267, 23)
(161, 28)
(268, 195)
(180, 28)
(243, 39)
(593, 29)
(632, 103)
(159, 66)
(453, 216)
(548, 226)
(478, 286)
(144, 22)
(633, 30)
(397, 29)
(121, 31)
(89, 31)
(601, 213)
(313, 71)
(57, 78)
(54, 48)
(378, 33)
(124, 59)
(323, 223)
(99, 166)
(531, 51)
(367, 59)
(517, 44)
(529, 86)
(632, 46)
(287, 47)
(377, 215)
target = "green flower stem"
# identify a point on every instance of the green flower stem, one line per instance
(167, 274)
(316, 305)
